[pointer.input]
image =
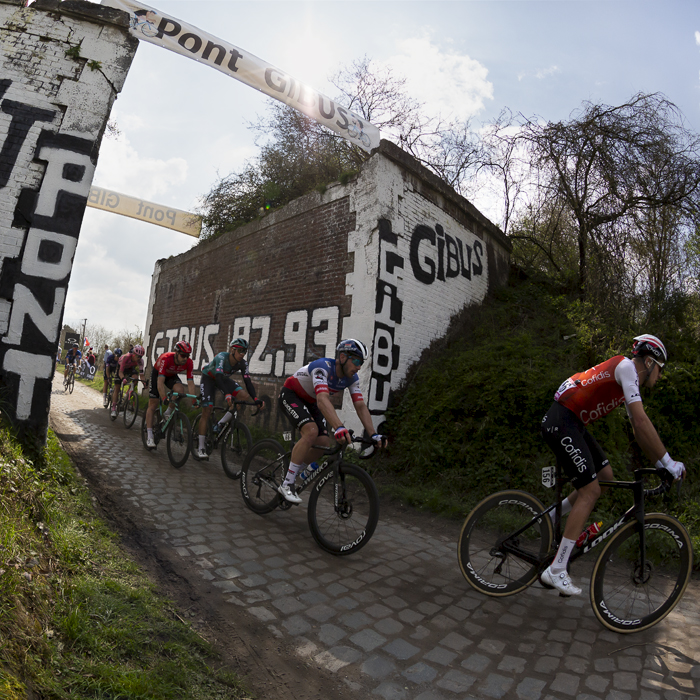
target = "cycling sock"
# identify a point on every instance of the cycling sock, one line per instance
(167, 413)
(562, 557)
(226, 418)
(202, 441)
(292, 473)
(150, 433)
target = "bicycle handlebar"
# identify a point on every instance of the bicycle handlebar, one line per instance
(248, 403)
(334, 449)
(666, 481)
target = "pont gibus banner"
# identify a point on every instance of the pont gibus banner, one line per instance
(157, 27)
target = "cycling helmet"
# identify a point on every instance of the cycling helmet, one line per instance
(76, 346)
(350, 346)
(650, 345)
(184, 347)
(118, 352)
(139, 350)
(241, 343)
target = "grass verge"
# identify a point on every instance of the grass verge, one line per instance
(78, 619)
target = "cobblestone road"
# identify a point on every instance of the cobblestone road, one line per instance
(396, 620)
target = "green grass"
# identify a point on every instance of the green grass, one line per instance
(78, 619)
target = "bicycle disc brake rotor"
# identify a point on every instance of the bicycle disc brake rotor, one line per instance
(640, 578)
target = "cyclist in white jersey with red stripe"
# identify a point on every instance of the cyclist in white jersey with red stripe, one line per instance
(305, 400)
(581, 399)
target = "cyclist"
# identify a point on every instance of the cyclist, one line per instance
(72, 358)
(305, 400)
(165, 377)
(217, 375)
(128, 363)
(111, 366)
(581, 399)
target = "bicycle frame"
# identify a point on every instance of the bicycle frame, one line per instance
(636, 511)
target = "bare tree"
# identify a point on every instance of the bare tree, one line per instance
(614, 168)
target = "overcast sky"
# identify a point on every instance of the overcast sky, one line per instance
(183, 124)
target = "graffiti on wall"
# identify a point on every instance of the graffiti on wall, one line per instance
(435, 258)
(38, 248)
(320, 325)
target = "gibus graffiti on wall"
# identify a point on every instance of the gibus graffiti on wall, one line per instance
(38, 248)
(435, 257)
(320, 325)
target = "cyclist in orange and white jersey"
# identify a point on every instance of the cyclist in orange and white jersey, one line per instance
(582, 399)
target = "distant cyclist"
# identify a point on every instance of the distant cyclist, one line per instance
(72, 358)
(111, 365)
(128, 363)
(305, 400)
(582, 399)
(217, 375)
(164, 377)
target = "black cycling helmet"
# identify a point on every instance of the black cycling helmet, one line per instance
(650, 345)
(350, 346)
(118, 352)
(240, 343)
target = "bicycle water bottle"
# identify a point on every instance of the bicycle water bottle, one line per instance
(591, 531)
(309, 471)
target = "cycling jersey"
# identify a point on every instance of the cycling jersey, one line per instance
(216, 375)
(72, 356)
(129, 362)
(592, 394)
(319, 377)
(165, 365)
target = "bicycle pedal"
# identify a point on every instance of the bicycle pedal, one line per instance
(285, 504)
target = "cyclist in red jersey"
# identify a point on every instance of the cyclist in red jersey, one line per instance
(581, 399)
(165, 377)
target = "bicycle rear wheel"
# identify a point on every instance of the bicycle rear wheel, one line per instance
(71, 383)
(179, 439)
(235, 448)
(343, 519)
(264, 469)
(626, 598)
(493, 561)
(131, 410)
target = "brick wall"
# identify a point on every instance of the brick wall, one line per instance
(61, 67)
(388, 258)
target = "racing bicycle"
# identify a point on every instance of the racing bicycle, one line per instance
(343, 506)
(69, 379)
(234, 438)
(127, 400)
(644, 559)
(176, 429)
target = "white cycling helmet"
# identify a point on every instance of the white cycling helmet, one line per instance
(650, 345)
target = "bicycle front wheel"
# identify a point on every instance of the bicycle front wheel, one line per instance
(264, 469)
(629, 597)
(343, 513)
(492, 559)
(178, 440)
(235, 448)
(71, 383)
(131, 410)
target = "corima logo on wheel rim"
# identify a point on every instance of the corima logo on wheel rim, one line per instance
(345, 547)
(483, 582)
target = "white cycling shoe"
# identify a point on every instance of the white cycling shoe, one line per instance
(561, 581)
(202, 454)
(151, 444)
(289, 493)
